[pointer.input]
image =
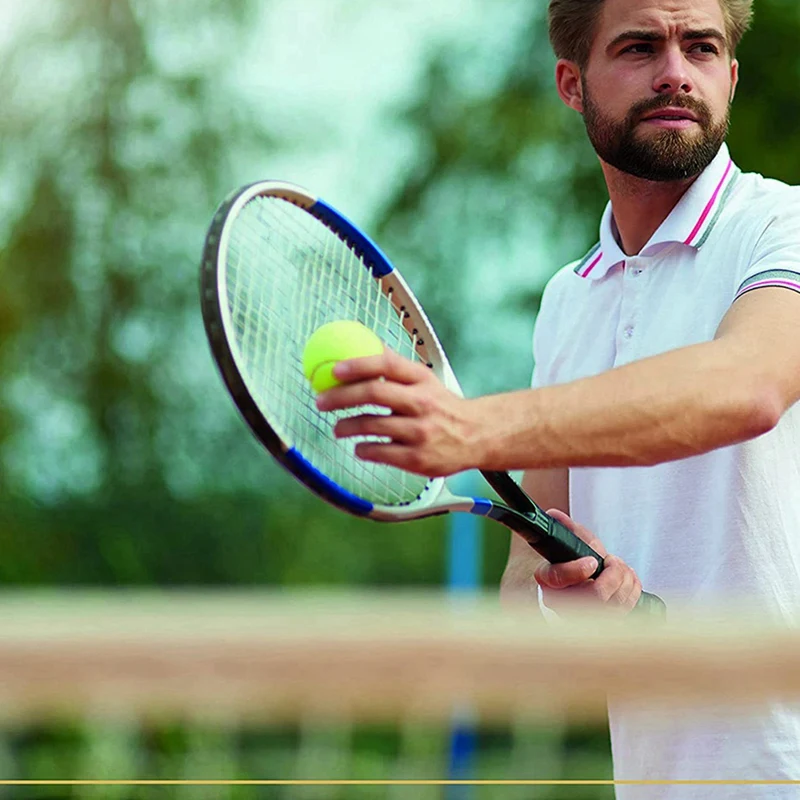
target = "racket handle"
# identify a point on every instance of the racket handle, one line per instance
(648, 604)
(560, 544)
(551, 540)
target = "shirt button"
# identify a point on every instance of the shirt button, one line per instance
(637, 271)
(628, 333)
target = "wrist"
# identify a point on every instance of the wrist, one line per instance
(504, 429)
(485, 432)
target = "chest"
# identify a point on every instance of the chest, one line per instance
(641, 308)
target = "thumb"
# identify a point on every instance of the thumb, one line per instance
(562, 576)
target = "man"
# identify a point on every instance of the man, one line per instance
(664, 413)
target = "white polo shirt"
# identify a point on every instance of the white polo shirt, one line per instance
(721, 526)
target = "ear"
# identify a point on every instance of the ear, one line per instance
(734, 77)
(568, 84)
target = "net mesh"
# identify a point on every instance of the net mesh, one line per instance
(286, 274)
(343, 688)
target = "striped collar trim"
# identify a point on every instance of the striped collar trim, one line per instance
(689, 223)
(589, 261)
(711, 211)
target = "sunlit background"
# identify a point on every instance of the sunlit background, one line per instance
(432, 123)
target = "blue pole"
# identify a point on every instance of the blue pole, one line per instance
(464, 567)
(464, 545)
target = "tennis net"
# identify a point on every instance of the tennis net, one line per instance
(340, 696)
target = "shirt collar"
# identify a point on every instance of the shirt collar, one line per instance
(688, 224)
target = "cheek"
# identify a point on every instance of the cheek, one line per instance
(615, 91)
(720, 98)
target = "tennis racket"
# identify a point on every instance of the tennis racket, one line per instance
(278, 263)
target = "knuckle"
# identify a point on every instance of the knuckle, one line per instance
(544, 576)
(415, 462)
(604, 591)
(559, 579)
(425, 431)
(421, 403)
(372, 393)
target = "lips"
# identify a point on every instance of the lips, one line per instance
(672, 115)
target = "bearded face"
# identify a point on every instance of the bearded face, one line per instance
(651, 153)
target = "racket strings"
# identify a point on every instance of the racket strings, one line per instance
(287, 274)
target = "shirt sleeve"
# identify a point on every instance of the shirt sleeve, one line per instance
(776, 257)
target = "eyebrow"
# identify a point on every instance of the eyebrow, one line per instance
(651, 36)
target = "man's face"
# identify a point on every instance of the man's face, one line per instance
(658, 86)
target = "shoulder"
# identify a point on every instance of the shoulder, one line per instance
(562, 291)
(759, 218)
(758, 201)
(567, 280)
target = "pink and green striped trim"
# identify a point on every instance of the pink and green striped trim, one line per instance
(589, 261)
(721, 194)
(710, 205)
(734, 173)
(781, 278)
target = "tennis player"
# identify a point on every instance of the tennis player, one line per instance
(664, 415)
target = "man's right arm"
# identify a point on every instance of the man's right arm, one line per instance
(550, 489)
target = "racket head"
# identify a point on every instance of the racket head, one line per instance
(279, 262)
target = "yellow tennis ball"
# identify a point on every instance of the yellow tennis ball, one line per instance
(334, 342)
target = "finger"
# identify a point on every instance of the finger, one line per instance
(397, 428)
(563, 576)
(579, 530)
(629, 594)
(394, 455)
(388, 365)
(394, 396)
(610, 581)
(618, 585)
(628, 586)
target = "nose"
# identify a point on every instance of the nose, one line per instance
(673, 73)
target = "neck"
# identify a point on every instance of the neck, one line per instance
(640, 206)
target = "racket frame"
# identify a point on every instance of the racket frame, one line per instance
(525, 517)
(435, 497)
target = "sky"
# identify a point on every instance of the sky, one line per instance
(338, 68)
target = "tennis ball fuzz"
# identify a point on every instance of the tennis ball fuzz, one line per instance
(334, 342)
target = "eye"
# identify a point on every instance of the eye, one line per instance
(640, 48)
(704, 48)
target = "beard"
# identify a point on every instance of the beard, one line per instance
(669, 155)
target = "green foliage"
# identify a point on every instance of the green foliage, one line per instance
(124, 159)
(140, 538)
(123, 462)
(766, 114)
(316, 749)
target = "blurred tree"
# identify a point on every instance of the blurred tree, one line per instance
(120, 123)
(114, 141)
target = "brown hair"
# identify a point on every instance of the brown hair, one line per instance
(573, 23)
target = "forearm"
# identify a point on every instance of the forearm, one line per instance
(672, 406)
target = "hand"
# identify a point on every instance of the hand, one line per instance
(431, 430)
(566, 587)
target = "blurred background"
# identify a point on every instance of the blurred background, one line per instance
(432, 123)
